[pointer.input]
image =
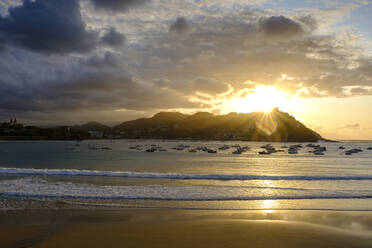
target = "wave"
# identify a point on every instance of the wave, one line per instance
(95, 173)
(41, 188)
(149, 198)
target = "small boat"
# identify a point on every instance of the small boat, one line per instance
(312, 145)
(106, 148)
(341, 148)
(151, 150)
(321, 148)
(318, 153)
(265, 146)
(192, 150)
(292, 151)
(369, 148)
(91, 147)
(264, 152)
(355, 150)
(224, 147)
(237, 151)
(135, 147)
(211, 151)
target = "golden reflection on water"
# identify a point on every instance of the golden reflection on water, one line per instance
(268, 211)
(268, 205)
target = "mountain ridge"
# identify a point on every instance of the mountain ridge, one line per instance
(256, 126)
(276, 126)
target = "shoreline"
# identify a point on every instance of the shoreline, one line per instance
(184, 228)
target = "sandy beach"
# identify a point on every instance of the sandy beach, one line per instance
(184, 228)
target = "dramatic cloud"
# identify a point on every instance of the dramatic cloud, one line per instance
(203, 85)
(117, 5)
(97, 91)
(169, 55)
(108, 60)
(279, 27)
(180, 26)
(113, 38)
(48, 26)
(360, 91)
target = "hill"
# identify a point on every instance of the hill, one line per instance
(257, 126)
(93, 126)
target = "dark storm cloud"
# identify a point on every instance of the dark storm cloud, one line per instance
(108, 60)
(113, 38)
(199, 84)
(180, 26)
(89, 91)
(310, 24)
(48, 26)
(117, 5)
(280, 26)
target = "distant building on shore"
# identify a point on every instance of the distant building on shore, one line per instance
(12, 123)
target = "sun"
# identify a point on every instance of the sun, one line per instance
(263, 98)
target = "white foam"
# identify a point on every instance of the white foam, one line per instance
(36, 187)
(95, 173)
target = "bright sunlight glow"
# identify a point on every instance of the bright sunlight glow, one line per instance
(264, 98)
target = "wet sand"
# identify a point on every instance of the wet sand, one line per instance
(184, 228)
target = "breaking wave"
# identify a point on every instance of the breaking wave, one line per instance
(41, 188)
(94, 173)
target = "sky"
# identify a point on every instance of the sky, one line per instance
(73, 61)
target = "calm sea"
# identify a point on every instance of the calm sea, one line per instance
(84, 175)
